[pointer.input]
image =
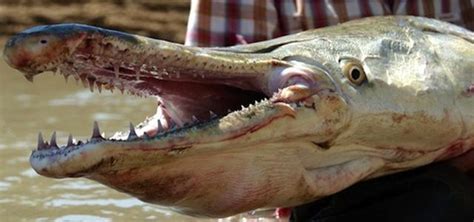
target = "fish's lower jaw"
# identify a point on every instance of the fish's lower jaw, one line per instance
(82, 159)
(215, 184)
(68, 162)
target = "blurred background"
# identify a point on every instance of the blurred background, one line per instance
(164, 19)
(50, 105)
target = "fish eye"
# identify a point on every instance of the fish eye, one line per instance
(43, 41)
(354, 72)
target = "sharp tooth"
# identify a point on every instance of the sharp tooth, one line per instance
(69, 141)
(96, 132)
(121, 87)
(41, 144)
(195, 119)
(132, 135)
(99, 86)
(212, 115)
(83, 80)
(66, 76)
(229, 111)
(160, 127)
(29, 77)
(91, 84)
(53, 143)
(111, 86)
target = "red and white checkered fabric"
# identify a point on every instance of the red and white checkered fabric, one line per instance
(230, 22)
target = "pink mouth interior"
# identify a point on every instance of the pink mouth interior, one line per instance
(182, 99)
(181, 103)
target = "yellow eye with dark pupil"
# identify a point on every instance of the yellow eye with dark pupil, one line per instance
(354, 72)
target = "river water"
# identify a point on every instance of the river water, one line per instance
(50, 105)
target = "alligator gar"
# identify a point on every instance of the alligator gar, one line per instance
(270, 124)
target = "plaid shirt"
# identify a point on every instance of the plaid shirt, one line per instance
(230, 22)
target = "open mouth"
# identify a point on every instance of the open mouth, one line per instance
(185, 98)
(226, 91)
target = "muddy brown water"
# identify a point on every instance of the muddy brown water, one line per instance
(50, 105)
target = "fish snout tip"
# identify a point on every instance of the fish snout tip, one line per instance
(19, 62)
(18, 59)
(11, 55)
(35, 52)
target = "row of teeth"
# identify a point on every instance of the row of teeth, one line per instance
(136, 71)
(91, 81)
(97, 136)
(94, 83)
